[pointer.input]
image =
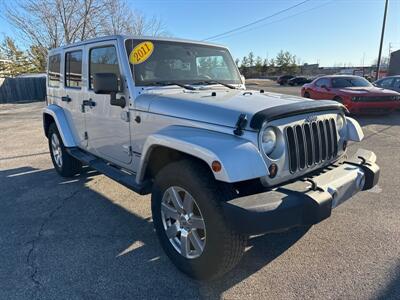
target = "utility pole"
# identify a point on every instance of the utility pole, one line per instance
(378, 65)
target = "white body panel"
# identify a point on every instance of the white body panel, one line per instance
(193, 122)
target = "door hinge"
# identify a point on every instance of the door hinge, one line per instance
(86, 135)
(128, 149)
(125, 115)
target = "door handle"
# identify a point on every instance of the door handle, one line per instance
(89, 103)
(66, 99)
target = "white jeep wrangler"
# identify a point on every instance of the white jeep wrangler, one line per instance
(173, 118)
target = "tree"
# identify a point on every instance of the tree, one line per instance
(258, 64)
(286, 62)
(46, 24)
(250, 59)
(14, 61)
(237, 62)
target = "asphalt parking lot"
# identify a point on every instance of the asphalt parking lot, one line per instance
(91, 238)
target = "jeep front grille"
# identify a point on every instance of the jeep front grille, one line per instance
(311, 143)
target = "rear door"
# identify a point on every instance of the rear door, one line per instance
(70, 96)
(107, 126)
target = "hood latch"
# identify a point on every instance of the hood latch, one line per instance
(240, 124)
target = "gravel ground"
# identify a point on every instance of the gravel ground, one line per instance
(91, 238)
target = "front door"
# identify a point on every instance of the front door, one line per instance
(107, 126)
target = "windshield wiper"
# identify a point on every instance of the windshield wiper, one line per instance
(216, 82)
(165, 83)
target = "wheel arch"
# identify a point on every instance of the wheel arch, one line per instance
(55, 114)
(241, 162)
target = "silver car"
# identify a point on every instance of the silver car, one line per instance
(173, 118)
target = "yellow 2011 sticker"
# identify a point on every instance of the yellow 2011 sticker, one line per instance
(141, 52)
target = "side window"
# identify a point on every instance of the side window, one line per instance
(386, 82)
(53, 73)
(396, 83)
(322, 81)
(73, 69)
(103, 60)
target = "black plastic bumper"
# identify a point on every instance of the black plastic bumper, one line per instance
(304, 202)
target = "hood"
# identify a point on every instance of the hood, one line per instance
(222, 109)
(369, 90)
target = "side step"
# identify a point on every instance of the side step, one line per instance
(109, 170)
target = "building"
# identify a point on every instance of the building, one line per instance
(394, 65)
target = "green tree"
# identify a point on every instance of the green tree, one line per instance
(37, 59)
(250, 59)
(15, 61)
(259, 64)
(286, 62)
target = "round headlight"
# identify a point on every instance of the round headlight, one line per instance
(339, 122)
(268, 140)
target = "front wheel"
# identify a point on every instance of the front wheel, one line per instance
(189, 221)
(65, 164)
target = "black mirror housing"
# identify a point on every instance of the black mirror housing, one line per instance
(105, 83)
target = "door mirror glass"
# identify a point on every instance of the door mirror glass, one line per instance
(105, 83)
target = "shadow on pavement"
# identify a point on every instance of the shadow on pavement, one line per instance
(72, 242)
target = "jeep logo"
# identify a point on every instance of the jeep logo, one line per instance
(310, 119)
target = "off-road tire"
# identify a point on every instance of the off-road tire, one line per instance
(224, 247)
(70, 166)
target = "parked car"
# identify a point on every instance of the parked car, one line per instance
(354, 92)
(390, 83)
(298, 80)
(221, 162)
(282, 80)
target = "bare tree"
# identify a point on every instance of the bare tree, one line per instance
(47, 24)
(119, 18)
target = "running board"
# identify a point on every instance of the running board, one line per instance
(122, 177)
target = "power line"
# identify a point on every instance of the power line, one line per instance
(276, 21)
(257, 21)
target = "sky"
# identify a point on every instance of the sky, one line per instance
(328, 32)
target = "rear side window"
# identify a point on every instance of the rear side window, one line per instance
(73, 69)
(54, 74)
(103, 60)
(322, 81)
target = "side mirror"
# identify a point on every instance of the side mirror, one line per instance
(107, 83)
(325, 87)
(243, 79)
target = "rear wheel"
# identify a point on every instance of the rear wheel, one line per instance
(65, 164)
(307, 95)
(189, 221)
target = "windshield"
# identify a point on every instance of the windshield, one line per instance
(178, 62)
(342, 82)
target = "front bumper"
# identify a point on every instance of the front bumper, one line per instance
(306, 201)
(373, 107)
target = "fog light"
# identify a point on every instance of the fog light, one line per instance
(216, 166)
(273, 169)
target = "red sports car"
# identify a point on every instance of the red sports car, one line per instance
(356, 93)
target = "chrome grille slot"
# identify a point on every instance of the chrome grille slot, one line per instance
(311, 143)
